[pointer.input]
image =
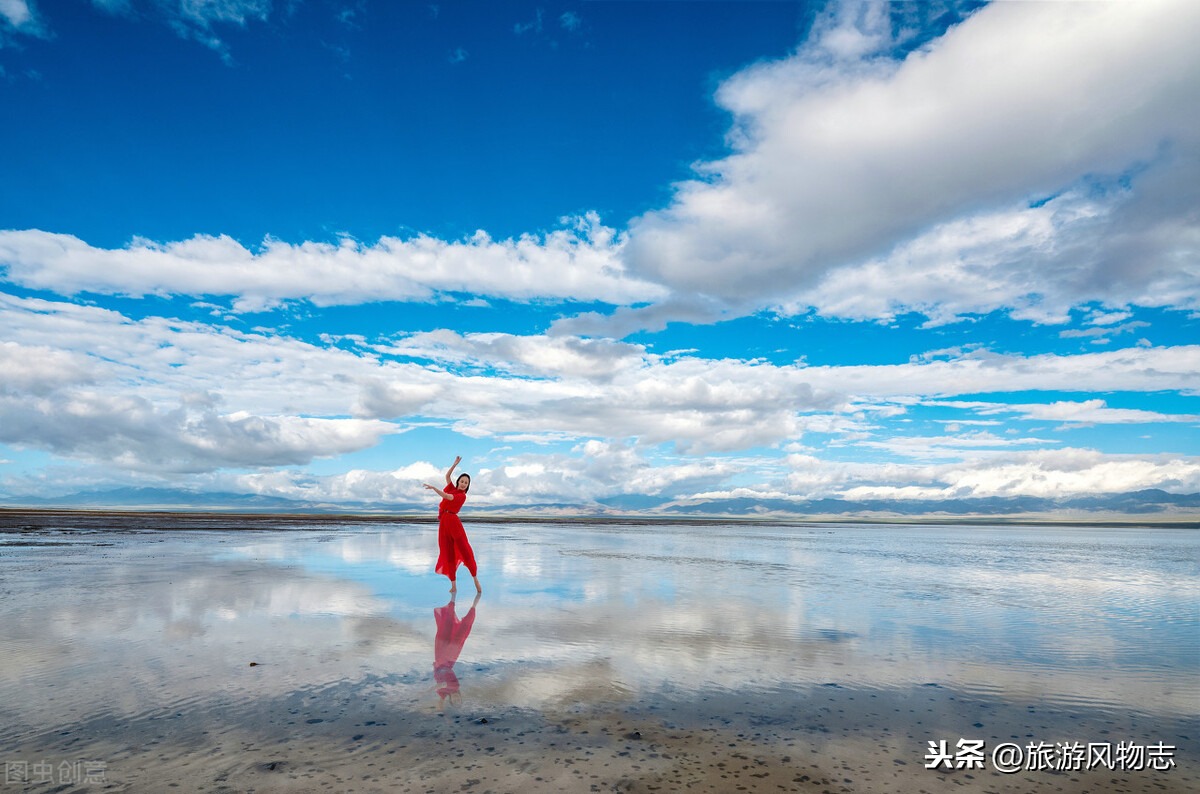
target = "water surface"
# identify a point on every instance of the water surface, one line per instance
(842, 648)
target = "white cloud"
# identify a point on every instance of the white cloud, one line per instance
(17, 13)
(598, 470)
(21, 17)
(569, 356)
(626, 320)
(40, 369)
(1035, 157)
(534, 24)
(580, 262)
(1098, 317)
(404, 485)
(1128, 369)
(1102, 330)
(1090, 411)
(195, 19)
(204, 13)
(1044, 473)
(131, 433)
(950, 446)
(187, 382)
(918, 175)
(90, 384)
(595, 469)
(1037, 263)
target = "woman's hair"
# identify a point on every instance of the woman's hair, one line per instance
(459, 477)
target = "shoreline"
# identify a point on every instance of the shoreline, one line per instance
(8, 514)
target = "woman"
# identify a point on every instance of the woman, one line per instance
(452, 538)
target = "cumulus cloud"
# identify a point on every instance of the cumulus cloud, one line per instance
(585, 387)
(1044, 473)
(17, 14)
(131, 433)
(1101, 330)
(578, 262)
(595, 469)
(1089, 411)
(403, 485)
(571, 356)
(697, 405)
(864, 186)
(1033, 158)
(626, 320)
(1037, 263)
(950, 446)
(20, 17)
(161, 359)
(1000, 473)
(88, 382)
(40, 369)
(1127, 369)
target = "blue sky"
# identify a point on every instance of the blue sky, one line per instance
(686, 250)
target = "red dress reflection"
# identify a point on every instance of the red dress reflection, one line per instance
(448, 644)
(453, 547)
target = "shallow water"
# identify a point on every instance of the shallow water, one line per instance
(842, 648)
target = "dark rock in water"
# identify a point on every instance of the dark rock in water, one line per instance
(272, 766)
(356, 737)
(634, 735)
(483, 720)
(254, 664)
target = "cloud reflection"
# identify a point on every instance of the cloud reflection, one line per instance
(601, 614)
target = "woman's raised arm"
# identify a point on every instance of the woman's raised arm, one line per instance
(449, 471)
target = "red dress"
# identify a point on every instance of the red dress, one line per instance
(453, 547)
(448, 644)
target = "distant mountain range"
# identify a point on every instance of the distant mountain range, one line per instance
(1147, 504)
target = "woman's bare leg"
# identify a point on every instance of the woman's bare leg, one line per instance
(453, 587)
(478, 586)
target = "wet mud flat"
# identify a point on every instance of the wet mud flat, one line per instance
(366, 738)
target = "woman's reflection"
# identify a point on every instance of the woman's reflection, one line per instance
(447, 645)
